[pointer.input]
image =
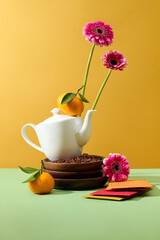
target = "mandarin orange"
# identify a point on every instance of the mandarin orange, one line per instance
(43, 184)
(73, 108)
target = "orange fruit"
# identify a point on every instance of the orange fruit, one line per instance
(72, 108)
(43, 184)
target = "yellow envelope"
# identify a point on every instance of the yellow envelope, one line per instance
(105, 197)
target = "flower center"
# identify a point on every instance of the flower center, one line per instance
(99, 31)
(116, 167)
(113, 62)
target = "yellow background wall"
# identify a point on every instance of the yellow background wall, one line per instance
(43, 54)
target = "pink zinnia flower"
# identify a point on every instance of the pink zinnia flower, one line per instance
(114, 60)
(98, 33)
(116, 167)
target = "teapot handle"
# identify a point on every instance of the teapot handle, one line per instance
(24, 135)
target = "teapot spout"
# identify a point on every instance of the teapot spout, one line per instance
(85, 132)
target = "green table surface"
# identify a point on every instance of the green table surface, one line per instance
(63, 215)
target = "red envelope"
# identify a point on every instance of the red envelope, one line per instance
(104, 192)
(121, 193)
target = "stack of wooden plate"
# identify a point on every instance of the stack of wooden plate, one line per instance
(84, 172)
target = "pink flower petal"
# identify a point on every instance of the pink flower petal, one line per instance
(114, 177)
(107, 161)
(109, 175)
(122, 177)
(112, 156)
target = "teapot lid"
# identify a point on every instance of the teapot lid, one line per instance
(57, 117)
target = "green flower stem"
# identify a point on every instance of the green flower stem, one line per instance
(87, 69)
(101, 89)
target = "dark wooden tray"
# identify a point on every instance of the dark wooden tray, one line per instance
(80, 184)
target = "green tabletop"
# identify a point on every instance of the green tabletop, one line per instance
(63, 215)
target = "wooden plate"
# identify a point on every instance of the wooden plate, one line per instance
(74, 175)
(72, 167)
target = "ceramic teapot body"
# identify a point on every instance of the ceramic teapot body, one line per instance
(61, 136)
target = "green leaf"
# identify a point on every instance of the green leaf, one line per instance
(33, 177)
(68, 97)
(28, 169)
(83, 98)
(106, 184)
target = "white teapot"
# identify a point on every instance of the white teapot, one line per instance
(61, 136)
